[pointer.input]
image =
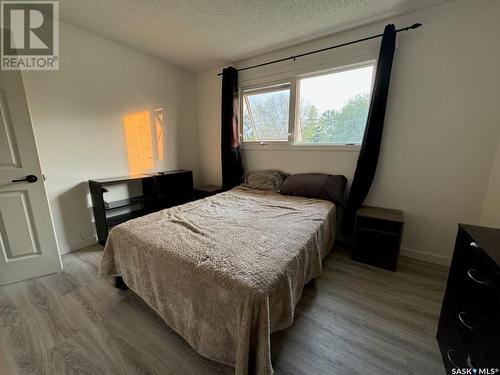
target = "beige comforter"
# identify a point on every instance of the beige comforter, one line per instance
(226, 271)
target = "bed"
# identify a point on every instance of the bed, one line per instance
(226, 271)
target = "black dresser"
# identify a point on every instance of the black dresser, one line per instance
(469, 325)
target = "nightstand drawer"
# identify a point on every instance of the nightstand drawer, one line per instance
(391, 227)
(377, 248)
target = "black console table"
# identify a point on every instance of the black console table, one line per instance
(159, 191)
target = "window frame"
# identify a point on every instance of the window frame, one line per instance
(262, 89)
(293, 81)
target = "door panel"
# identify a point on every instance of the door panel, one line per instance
(28, 246)
(18, 237)
(9, 156)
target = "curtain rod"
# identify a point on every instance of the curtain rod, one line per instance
(412, 27)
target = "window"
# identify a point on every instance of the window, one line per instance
(266, 114)
(331, 109)
(334, 107)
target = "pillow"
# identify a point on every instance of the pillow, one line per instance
(270, 180)
(316, 185)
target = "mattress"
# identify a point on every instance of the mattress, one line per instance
(226, 271)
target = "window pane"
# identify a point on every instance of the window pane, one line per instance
(265, 115)
(334, 107)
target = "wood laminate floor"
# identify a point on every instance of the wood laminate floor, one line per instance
(354, 319)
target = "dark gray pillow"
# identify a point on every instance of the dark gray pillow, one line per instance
(316, 185)
(270, 180)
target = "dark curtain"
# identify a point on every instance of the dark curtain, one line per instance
(370, 147)
(232, 170)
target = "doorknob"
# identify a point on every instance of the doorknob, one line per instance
(29, 178)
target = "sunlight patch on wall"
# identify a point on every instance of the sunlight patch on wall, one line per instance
(144, 139)
(158, 125)
(137, 128)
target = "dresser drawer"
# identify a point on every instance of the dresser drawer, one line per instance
(465, 254)
(474, 275)
(478, 333)
(452, 350)
(479, 281)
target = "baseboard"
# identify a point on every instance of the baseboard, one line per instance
(425, 256)
(84, 243)
(407, 252)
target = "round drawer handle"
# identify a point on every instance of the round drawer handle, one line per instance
(471, 274)
(461, 318)
(448, 354)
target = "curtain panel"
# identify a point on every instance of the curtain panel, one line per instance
(370, 146)
(232, 170)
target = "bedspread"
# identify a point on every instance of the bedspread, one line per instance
(226, 271)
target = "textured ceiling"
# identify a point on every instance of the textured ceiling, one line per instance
(201, 34)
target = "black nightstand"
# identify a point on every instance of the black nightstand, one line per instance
(204, 191)
(377, 236)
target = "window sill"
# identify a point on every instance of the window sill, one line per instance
(276, 146)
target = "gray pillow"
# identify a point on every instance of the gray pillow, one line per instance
(270, 180)
(316, 185)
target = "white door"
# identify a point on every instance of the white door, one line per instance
(28, 246)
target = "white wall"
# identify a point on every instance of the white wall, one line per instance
(441, 127)
(77, 117)
(208, 101)
(490, 214)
